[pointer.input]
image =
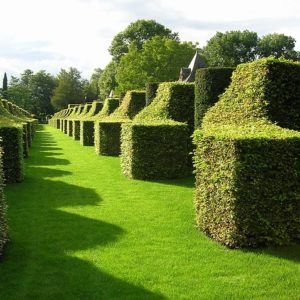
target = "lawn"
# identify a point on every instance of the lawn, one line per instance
(80, 230)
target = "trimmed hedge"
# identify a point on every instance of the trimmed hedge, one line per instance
(156, 145)
(76, 121)
(169, 160)
(210, 83)
(87, 124)
(3, 221)
(151, 89)
(12, 146)
(248, 158)
(108, 130)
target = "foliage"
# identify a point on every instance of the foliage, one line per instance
(157, 143)
(91, 88)
(69, 89)
(107, 81)
(108, 129)
(277, 45)
(33, 91)
(3, 220)
(137, 33)
(247, 158)
(230, 48)
(159, 60)
(151, 89)
(210, 83)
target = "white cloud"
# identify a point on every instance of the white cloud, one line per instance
(50, 34)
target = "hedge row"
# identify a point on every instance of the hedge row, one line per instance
(210, 83)
(3, 221)
(87, 124)
(157, 143)
(248, 158)
(151, 89)
(108, 129)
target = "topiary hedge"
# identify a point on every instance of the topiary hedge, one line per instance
(157, 143)
(87, 124)
(248, 158)
(210, 83)
(151, 89)
(12, 145)
(3, 221)
(108, 130)
(76, 121)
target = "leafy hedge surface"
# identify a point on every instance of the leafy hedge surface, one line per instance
(76, 120)
(3, 222)
(87, 124)
(209, 84)
(247, 167)
(12, 146)
(151, 89)
(108, 130)
(140, 162)
(157, 143)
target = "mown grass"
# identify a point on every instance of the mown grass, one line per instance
(80, 230)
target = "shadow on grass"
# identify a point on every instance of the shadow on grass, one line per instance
(291, 252)
(43, 259)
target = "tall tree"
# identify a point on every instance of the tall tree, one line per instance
(69, 89)
(107, 81)
(278, 45)
(231, 48)
(42, 89)
(91, 88)
(137, 33)
(160, 59)
(4, 86)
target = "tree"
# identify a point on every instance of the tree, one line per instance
(160, 59)
(18, 93)
(107, 81)
(4, 86)
(137, 33)
(278, 45)
(69, 89)
(42, 89)
(91, 88)
(231, 48)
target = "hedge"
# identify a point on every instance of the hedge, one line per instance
(76, 121)
(157, 143)
(7, 111)
(151, 89)
(247, 159)
(210, 83)
(87, 124)
(12, 145)
(108, 129)
(3, 221)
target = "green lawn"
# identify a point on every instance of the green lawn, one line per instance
(81, 230)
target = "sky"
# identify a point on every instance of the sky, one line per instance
(54, 34)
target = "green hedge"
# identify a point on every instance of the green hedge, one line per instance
(12, 146)
(157, 143)
(3, 221)
(87, 124)
(247, 158)
(108, 130)
(210, 83)
(168, 160)
(151, 89)
(76, 120)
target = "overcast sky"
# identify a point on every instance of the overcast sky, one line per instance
(54, 34)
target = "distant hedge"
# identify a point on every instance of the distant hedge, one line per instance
(76, 120)
(151, 89)
(248, 158)
(87, 124)
(157, 143)
(210, 83)
(3, 221)
(108, 130)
